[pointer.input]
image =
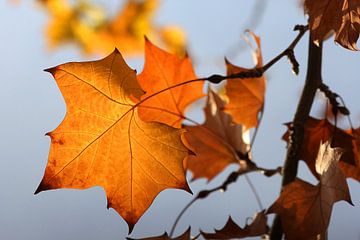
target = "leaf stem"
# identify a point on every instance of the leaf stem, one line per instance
(312, 83)
(180, 215)
(255, 192)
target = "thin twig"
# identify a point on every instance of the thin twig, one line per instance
(257, 128)
(180, 215)
(259, 71)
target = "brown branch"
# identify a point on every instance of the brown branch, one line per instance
(312, 83)
(259, 71)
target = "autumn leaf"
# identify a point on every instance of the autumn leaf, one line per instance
(128, 28)
(85, 24)
(73, 23)
(317, 131)
(340, 16)
(305, 209)
(246, 96)
(231, 230)
(102, 141)
(165, 236)
(163, 70)
(216, 143)
(353, 170)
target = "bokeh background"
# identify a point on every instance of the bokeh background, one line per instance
(31, 105)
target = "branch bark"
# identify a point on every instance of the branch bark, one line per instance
(312, 83)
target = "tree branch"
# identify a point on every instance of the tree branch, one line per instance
(258, 72)
(312, 83)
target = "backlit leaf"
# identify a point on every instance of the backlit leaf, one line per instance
(340, 16)
(163, 70)
(102, 141)
(246, 96)
(216, 142)
(305, 209)
(317, 131)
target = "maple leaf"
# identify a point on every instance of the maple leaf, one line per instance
(246, 96)
(216, 142)
(305, 209)
(165, 236)
(353, 170)
(317, 131)
(340, 16)
(102, 141)
(163, 70)
(231, 230)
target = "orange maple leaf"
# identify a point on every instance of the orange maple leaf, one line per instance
(305, 209)
(163, 70)
(102, 141)
(216, 142)
(317, 131)
(246, 96)
(341, 16)
(231, 230)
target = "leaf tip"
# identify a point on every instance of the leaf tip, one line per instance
(116, 50)
(147, 40)
(227, 62)
(50, 70)
(131, 227)
(38, 190)
(42, 187)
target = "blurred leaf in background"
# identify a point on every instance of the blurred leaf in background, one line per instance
(90, 26)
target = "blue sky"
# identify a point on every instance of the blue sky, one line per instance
(31, 105)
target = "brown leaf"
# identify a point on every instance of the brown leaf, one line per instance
(317, 131)
(353, 170)
(305, 209)
(163, 70)
(165, 236)
(246, 96)
(102, 141)
(340, 16)
(231, 230)
(216, 142)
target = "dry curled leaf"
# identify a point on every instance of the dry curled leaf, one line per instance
(246, 96)
(340, 16)
(102, 141)
(216, 142)
(165, 236)
(231, 230)
(305, 209)
(163, 70)
(317, 131)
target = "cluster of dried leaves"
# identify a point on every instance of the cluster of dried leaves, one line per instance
(125, 132)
